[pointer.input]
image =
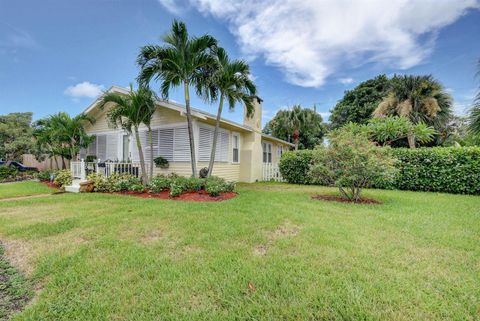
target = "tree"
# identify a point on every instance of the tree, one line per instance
(303, 126)
(15, 135)
(386, 131)
(351, 162)
(358, 104)
(231, 82)
(420, 99)
(474, 116)
(129, 112)
(183, 61)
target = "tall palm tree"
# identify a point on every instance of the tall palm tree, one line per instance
(129, 112)
(474, 117)
(421, 99)
(231, 82)
(182, 61)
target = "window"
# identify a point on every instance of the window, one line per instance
(279, 151)
(267, 152)
(235, 148)
(205, 145)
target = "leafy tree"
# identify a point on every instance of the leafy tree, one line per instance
(15, 135)
(388, 130)
(421, 99)
(303, 126)
(351, 162)
(474, 117)
(358, 104)
(231, 82)
(183, 61)
(129, 112)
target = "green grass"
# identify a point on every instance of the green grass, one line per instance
(17, 189)
(272, 253)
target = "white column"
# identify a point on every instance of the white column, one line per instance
(82, 170)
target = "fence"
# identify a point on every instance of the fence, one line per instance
(271, 172)
(47, 164)
(81, 169)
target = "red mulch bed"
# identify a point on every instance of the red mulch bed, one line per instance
(200, 196)
(49, 184)
(336, 198)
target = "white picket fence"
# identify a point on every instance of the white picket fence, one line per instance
(81, 169)
(271, 172)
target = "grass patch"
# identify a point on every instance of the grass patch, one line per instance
(17, 189)
(272, 253)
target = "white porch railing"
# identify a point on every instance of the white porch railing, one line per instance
(271, 172)
(81, 169)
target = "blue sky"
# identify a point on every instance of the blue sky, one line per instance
(56, 55)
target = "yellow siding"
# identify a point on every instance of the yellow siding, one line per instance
(228, 171)
(101, 124)
(164, 116)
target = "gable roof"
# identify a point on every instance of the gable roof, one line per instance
(180, 108)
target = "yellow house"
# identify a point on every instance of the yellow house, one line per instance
(243, 153)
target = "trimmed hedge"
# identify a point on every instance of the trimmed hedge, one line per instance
(438, 169)
(435, 169)
(295, 165)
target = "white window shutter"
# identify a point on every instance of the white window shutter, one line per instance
(205, 144)
(111, 147)
(165, 144)
(102, 147)
(92, 148)
(181, 145)
(155, 138)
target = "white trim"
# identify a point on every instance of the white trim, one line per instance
(235, 134)
(267, 144)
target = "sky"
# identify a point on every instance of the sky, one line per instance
(58, 55)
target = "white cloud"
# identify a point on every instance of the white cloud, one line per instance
(345, 81)
(84, 89)
(171, 5)
(309, 40)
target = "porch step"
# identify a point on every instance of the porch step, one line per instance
(74, 187)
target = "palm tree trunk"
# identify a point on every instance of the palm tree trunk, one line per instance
(151, 151)
(140, 154)
(215, 137)
(56, 160)
(193, 158)
(411, 140)
(63, 163)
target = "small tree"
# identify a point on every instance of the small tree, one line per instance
(351, 162)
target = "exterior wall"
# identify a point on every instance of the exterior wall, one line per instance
(228, 171)
(275, 147)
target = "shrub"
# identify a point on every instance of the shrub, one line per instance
(100, 183)
(7, 172)
(438, 169)
(161, 162)
(90, 158)
(178, 186)
(139, 188)
(45, 175)
(159, 183)
(214, 186)
(117, 182)
(294, 166)
(351, 162)
(63, 178)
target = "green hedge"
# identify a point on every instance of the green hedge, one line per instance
(295, 165)
(437, 169)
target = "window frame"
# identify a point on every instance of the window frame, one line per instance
(237, 135)
(267, 152)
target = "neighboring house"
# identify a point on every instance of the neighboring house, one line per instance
(243, 153)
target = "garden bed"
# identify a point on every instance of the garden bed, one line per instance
(336, 198)
(200, 196)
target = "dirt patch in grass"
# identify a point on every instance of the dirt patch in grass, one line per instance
(336, 198)
(287, 229)
(15, 289)
(200, 196)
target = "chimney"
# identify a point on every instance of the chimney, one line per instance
(255, 120)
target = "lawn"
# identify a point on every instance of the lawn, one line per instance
(18, 189)
(272, 253)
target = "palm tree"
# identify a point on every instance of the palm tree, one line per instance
(474, 117)
(421, 99)
(182, 61)
(230, 82)
(71, 131)
(129, 112)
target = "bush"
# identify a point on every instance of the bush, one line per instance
(7, 173)
(63, 178)
(438, 169)
(351, 162)
(294, 166)
(161, 162)
(179, 185)
(214, 186)
(45, 175)
(90, 158)
(118, 182)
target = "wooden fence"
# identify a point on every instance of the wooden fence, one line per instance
(47, 164)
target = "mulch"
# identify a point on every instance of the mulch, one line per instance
(200, 196)
(336, 198)
(49, 184)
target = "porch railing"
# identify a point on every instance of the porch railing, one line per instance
(81, 169)
(271, 172)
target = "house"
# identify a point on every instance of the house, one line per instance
(243, 153)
